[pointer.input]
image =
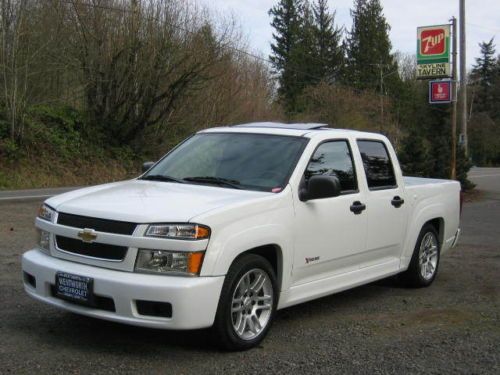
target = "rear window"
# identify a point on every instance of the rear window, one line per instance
(377, 164)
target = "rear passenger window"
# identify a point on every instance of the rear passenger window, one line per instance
(334, 159)
(378, 166)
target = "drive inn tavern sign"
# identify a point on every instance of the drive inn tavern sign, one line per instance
(433, 52)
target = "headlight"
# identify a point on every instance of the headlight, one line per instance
(179, 231)
(43, 240)
(46, 213)
(163, 261)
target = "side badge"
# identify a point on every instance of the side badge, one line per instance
(314, 259)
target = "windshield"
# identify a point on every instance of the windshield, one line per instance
(233, 160)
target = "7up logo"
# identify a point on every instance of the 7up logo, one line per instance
(432, 42)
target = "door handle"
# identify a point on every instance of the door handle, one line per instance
(357, 207)
(397, 201)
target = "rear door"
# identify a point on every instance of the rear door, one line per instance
(386, 207)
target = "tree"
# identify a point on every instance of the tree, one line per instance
(483, 73)
(287, 23)
(136, 64)
(328, 51)
(369, 47)
(495, 110)
(414, 155)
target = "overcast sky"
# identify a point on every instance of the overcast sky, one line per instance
(482, 17)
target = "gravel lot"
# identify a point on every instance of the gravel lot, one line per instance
(451, 327)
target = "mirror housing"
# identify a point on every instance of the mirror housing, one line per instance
(319, 187)
(147, 166)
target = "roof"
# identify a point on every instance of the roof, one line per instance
(281, 125)
(279, 128)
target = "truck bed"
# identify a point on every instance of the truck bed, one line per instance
(439, 195)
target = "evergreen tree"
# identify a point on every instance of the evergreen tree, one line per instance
(307, 58)
(369, 47)
(287, 23)
(414, 155)
(483, 73)
(495, 93)
(328, 51)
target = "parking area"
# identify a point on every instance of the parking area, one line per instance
(451, 327)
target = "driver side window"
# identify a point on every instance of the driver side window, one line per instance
(334, 158)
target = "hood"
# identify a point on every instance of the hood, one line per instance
(142, 201)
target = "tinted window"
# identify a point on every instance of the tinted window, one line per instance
(334, 159)
(377, 164)
(251, 161)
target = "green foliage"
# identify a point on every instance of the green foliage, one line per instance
(287, 21)
(369, 47)
(4, 128)
(306, 49)
(463, 166)
(414, 155)
(10, 150)
(327, 53)
(483, 73)
(484, 140)
(54, 130)
(484, 124)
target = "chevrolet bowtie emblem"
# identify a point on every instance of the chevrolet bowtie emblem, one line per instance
(87, 235)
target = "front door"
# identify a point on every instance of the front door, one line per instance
(329, 233)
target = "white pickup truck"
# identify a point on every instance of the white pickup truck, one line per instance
(237, 222)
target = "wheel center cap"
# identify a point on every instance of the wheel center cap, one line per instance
(247, 302)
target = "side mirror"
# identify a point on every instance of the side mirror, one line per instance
(147, 166)
(319, 187)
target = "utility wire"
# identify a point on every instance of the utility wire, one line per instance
(484, 27)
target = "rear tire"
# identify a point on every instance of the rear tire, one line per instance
(247, 303)
(424, 263)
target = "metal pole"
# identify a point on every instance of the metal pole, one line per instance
(381, 97)
(463, 80)
(453, 172)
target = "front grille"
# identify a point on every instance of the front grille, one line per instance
(94, 249)
(100, 225)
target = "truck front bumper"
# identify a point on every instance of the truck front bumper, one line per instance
(193, 300)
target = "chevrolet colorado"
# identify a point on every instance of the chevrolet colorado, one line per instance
(237, 222)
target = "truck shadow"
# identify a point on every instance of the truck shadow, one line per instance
(63, 330)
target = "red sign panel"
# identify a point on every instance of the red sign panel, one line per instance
(440, 92)
(432, 42)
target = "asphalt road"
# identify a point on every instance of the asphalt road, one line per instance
(31, 194)
(451, 327)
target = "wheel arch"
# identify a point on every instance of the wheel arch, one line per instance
(438, 224)
(430, 215)
(273, 254)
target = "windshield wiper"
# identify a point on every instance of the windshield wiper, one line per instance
(159, 177)
(215, 180)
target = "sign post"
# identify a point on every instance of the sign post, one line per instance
(433, 61)
(453, 166)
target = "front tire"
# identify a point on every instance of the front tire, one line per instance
(247, 303)
(425, 259)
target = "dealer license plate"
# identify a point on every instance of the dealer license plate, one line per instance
(74, 288)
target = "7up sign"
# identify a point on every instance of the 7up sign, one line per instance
(433, 52)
